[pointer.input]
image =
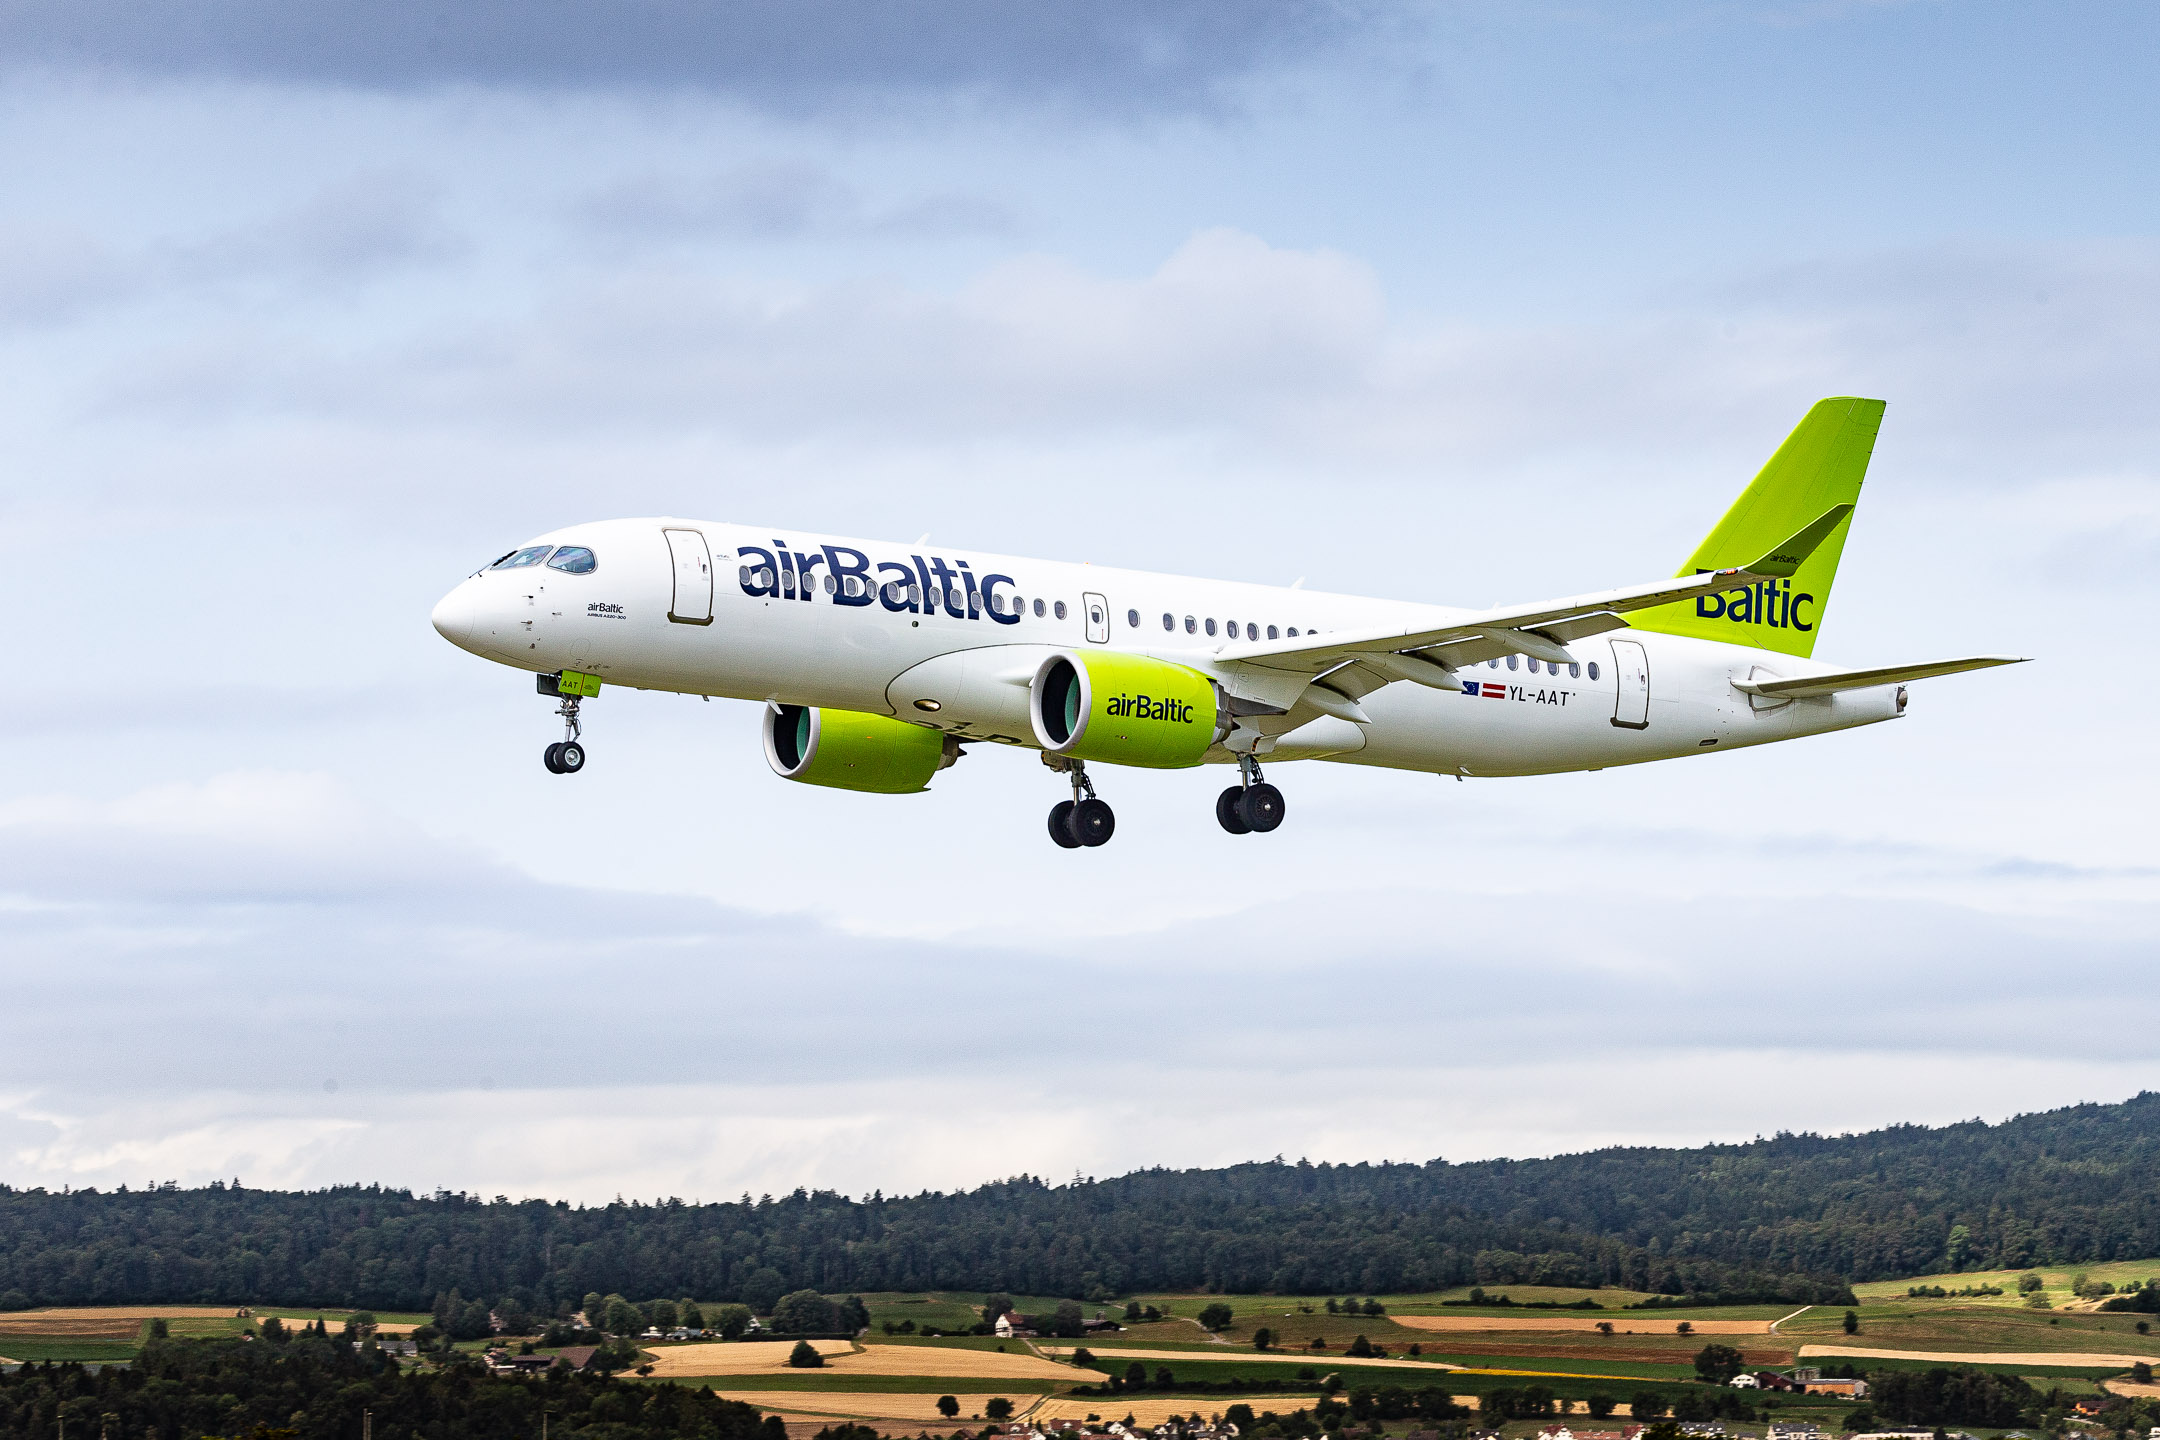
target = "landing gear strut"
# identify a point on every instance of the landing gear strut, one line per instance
(1082, 820)
(566, 756)
(1251, 805)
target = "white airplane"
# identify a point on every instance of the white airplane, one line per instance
(875, 660)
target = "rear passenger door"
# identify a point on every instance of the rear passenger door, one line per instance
(1631, 673)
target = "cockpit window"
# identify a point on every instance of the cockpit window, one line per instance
(519, 559)
(573, 559)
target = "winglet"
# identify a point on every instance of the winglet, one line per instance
(1786, 558)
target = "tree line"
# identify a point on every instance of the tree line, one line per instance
(1791, 1218)
(317, 1384)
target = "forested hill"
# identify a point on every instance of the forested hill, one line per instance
(1793, 1217)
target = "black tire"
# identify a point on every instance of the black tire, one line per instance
(1226, 811)
(1261, 806)
(571, 757)
(1093, 822)
(553, 758)
(1061, 826)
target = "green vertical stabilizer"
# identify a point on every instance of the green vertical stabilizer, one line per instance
(1818, 468)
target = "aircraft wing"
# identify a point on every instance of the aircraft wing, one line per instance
(1801, 686)
(1357, 662)
(1539, 629)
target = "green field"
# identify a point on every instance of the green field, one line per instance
(2057, 1280)
(1941, 1325)
(952, 1309)
(32, 1348)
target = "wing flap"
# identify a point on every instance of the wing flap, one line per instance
(1539, 630)
(1313, 653)
(1801, 687)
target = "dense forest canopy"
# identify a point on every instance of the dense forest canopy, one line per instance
(1791, 1217)
(314, 1385)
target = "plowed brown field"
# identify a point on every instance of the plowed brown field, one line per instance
(769, 1357)
(1644, 1326)
(854, 1405)
(1244, 1357)
(1985, 1357)
(1616, 1350)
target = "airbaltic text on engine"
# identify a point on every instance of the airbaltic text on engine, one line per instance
(1140, 707)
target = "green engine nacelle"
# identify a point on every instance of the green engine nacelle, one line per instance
(849, 750)
(1123, 709)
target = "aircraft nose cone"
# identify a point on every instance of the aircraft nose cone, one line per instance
(453, 618)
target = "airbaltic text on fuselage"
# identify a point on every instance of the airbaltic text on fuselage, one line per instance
(921, 588)
(1140, 707)
(1768, 602)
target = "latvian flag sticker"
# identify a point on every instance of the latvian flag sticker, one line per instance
(1489, 690)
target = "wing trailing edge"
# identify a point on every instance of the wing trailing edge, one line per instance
(1801, 687)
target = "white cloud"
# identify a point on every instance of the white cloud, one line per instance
(297, 987)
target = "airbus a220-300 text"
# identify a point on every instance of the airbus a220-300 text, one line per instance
(876, 661)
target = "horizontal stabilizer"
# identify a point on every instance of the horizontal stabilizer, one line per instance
(1784, 560)
(1800, 687)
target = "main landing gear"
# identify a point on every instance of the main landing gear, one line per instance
(1252, 805)
(566, 756)
(1082, 820)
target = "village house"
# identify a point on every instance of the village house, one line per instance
(577, 1357)
(1844, 1389)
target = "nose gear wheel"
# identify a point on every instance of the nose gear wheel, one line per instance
(567, 755)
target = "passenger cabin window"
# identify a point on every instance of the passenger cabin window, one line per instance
(1574, 671)
(1511, 662)
(1252, 631)
(1169, 622)
(1038, 609)
(519, 559)
(1293, 632)
(1058, 609)
(1190, 624)
(1593, 669)
(1211, 627)
(1271, 633)
(573, 560)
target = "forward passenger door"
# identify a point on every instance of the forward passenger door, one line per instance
(692, 603)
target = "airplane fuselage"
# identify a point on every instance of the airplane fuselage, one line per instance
(944, 638)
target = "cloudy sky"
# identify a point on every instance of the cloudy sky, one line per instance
(307, 310)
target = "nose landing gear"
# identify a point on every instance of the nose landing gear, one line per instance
(566, 756)
(1251, 806)
(1082, 820)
